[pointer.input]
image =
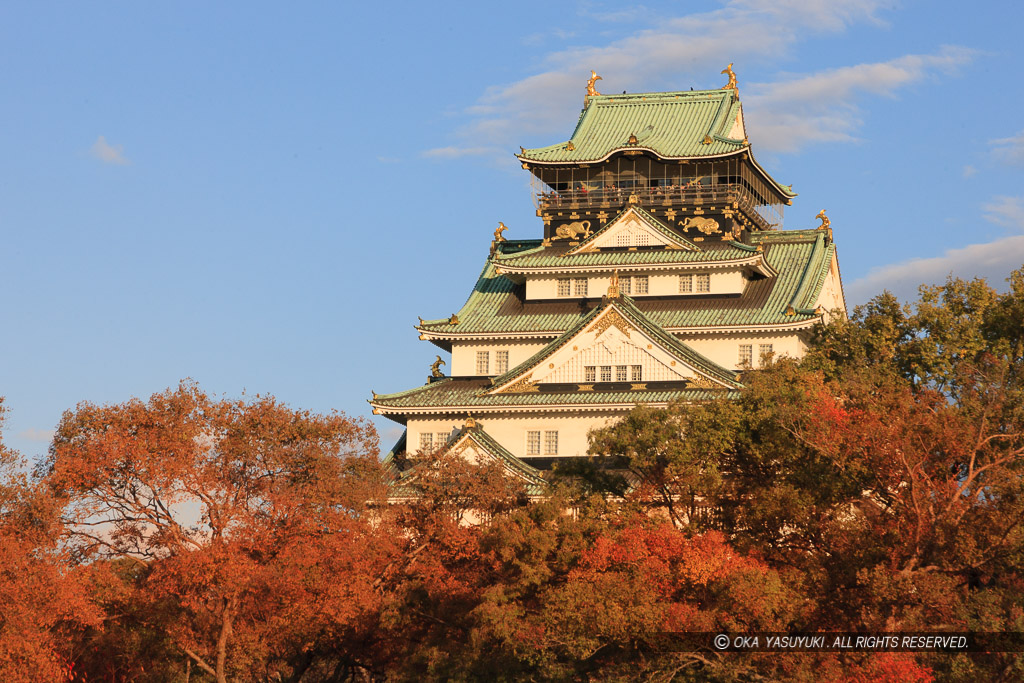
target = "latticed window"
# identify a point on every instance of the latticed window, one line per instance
(763, 350)
(606, 373)
(563, 287)
(550, 443)
(704, 282)
(483, 362)
(620, 373)
(746, 355)
(622, 239)
(638, 373)
(580, 286)
(625, 285)
(426, 441)
(589, 373)
(500, 362)
(532, 443)
(441, 438)
(641, 284)
(685, 284)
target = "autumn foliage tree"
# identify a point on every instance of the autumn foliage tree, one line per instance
(232, 510)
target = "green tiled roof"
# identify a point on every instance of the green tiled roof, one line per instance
(536, 485)
(674, 125)
(625, 306)
(470, 393)
(496, 305)
(554, 256)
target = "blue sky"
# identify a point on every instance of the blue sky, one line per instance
(264, 197)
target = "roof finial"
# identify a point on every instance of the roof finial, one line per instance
(613, 285)
(497, 233)
(825, 222)
(731, 85)
(470, 422)
(591, 90)
(435, 367)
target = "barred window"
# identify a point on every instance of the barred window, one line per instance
(622, 239)
(606, 373)
(426, 441)
(762, 351)
(589, 373)
(685, 284)
(580, 286)
(563, 287)
(441, 438)
(746, 355)
(704, 283)
(638, 373)
(624, 284)
(500, 362)
(620, 373)
(641, 284)
(550, 443)
(483, 362)
(533, 443)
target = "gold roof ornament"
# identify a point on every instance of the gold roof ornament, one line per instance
(497, 233)
(731, 85)
(454, 320)
(632, 140)
(570, 147)
(435, 367)
(470, 422)
(591, 90)
(613, 285)
(825, 222)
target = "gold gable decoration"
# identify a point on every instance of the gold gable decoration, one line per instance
(611, 319)
(523, 385)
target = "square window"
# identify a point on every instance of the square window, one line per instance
(704, 283)
(606, 373)
(483, 362)
(533, 443)
(685, 284)
(500, 362)
(762, 351)
(746, 355)
(426, 441)
(620, 373)
(638, 373)
(641, 284)
(580, 286)
(550, 443)
(563, 287)
(441, 438)
(589, 373)
(624, 284)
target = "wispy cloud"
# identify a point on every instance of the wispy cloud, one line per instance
(969, 171)
(1009, 150)
(1005, 211)
(107, 153)
(39, 435)
(993, 261)
(453, 152)
(822, 107)
(791, 112)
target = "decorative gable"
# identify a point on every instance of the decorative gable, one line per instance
(610, 347)
(634, 228)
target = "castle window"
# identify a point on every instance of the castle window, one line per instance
(426, 441)
(620, 373)
(441, 439)
(763, 350)
(625, 285)
(590, 373)
(550, 443)
(638, 373)
(483, 362)
(500, 362)
(641, 284)
(563, 287)
(704, 283)
(580, 286)
(533, 443)
(685, 284)
(606, 373)
(622, 239)
(746, 355)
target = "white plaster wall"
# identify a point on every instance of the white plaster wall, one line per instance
(725, 349)
(831, 297)
(464, 355)
(660, 283)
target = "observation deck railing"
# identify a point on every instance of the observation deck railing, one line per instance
(767, 216)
